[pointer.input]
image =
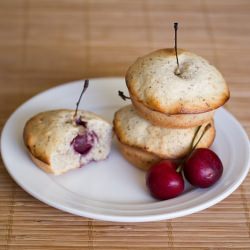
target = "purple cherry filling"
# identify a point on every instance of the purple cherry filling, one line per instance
(82, 144)
(79, 122)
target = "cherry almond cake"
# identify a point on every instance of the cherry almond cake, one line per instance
(58, 141)
(181, 100)
(168, 108)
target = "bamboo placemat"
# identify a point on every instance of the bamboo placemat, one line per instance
(45, 43)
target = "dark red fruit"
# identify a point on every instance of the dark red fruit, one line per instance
(203, 168)
(82, 144)
(80, 122)
(163, 181)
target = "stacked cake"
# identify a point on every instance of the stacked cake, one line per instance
(168, 108)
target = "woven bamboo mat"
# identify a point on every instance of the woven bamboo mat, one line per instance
(45, 43)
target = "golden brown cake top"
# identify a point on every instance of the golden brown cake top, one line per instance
(200, 87)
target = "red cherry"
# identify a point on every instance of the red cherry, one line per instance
(203, 168)
(82, 144)
(80, 122)
(163, 181)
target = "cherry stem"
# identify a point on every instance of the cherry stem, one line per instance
(193, 146)
(177, 72)
(195, 134)
(208, 126)
(124, 97)
(85, 86)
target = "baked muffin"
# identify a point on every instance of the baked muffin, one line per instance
(138, 157)
(143, 143)
(170, 100)
(57, 142)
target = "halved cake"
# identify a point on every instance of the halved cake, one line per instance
(58, 142)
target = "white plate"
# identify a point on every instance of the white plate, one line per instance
(113, 189)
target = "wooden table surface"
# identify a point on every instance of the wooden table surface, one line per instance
(46, 43)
